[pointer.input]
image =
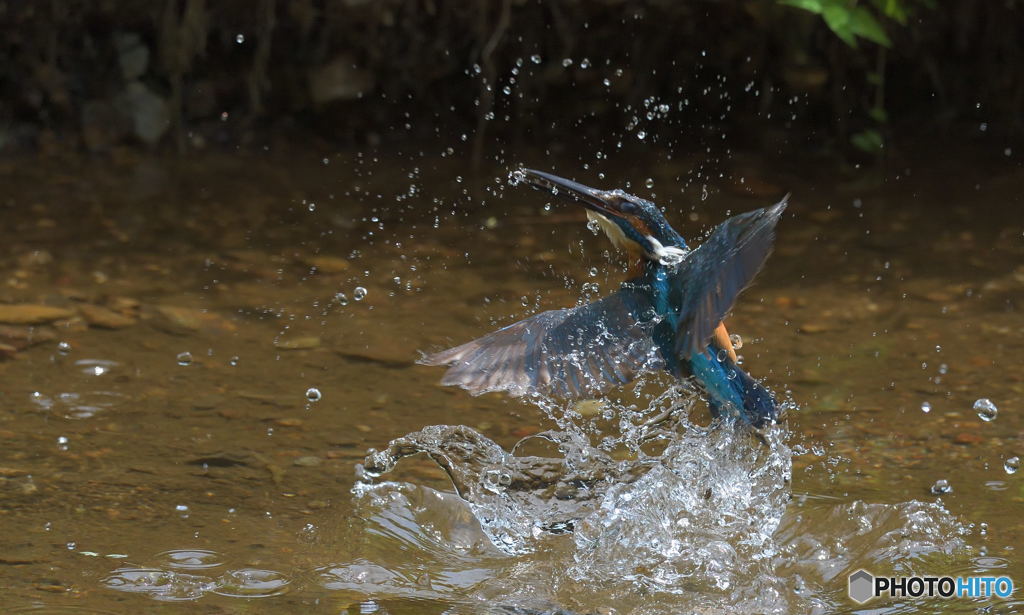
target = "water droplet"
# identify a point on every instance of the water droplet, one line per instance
(359, 293)
(566, 63)
(941, 487)
(233, 361)
(926, 407)
(71, 545)
(535, 58)
(184, 359)
(182, 510)
(986, 410)
(983, 528)
(507, 91)
(239, 38)
(62, 443)
(1011, 465)
(649, 182)
(313, 394)
(516, 177)
(737, 341)
(64, 348)
(641, 135)
(722, 354)
(585, 63)
(594, 226)
(731, 375)
(593, 272)
(341, 298)
(311, 207)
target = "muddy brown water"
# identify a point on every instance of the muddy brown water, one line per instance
(204, 396)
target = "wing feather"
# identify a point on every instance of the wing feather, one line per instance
(567, 353)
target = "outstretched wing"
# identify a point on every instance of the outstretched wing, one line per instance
(566, 353)
(715, 273)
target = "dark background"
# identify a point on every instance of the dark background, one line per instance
(486, 76)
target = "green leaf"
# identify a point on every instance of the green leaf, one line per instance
(863, 24)
(814, 6)
(837, 17)
(869, 141)
(879, 114)
(893, 9)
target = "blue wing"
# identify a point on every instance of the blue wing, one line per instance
(714, 274)
(576, 352)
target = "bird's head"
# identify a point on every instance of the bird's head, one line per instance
(633, 224)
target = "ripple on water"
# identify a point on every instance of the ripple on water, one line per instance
(75, 405)
(56, 609)
(180, 578)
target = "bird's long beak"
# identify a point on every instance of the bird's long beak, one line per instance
(601, 201)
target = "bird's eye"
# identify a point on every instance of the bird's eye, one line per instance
(627, 207)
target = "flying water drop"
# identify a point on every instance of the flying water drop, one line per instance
(986, 410)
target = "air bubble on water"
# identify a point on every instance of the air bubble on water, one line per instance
(1011, 465)
(64, 348)
(722, 354)
(986, 410)
(184, 359)
(239, 38)
(736, 340)
(313, 394)
(359, 293)
(593, 272)
(341, 298)
(71, 545)
(941, 487)
(62, 443)
(926, 407)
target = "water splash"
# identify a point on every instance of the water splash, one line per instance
(627, 504)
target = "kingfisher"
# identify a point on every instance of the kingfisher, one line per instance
(667, 316)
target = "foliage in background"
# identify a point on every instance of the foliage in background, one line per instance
(537, 71)
(851, 20)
